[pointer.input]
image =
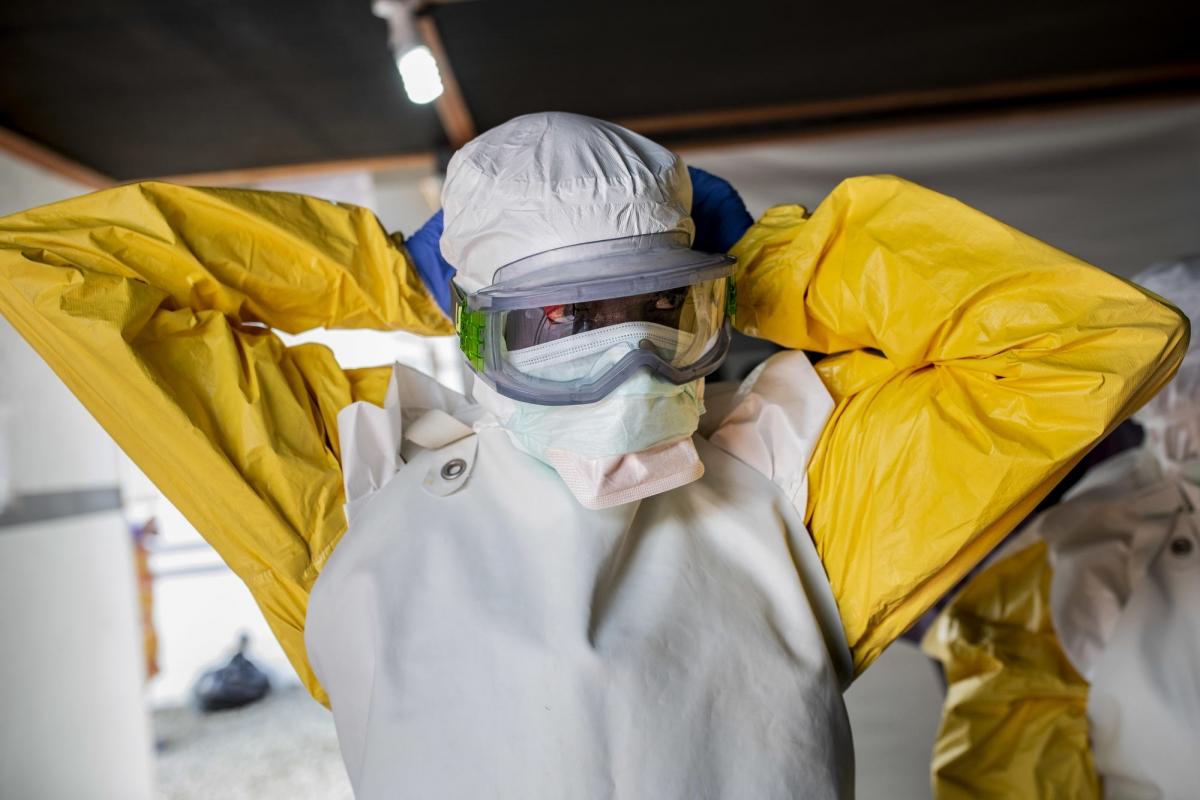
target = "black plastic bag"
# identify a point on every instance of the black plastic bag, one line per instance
(234, 685)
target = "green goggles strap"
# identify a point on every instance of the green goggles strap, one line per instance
(731, 300)
(470, 325)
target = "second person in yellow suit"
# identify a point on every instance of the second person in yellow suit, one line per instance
(479, 630)
(1073, 659)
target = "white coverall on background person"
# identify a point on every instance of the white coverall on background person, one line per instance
(664, 604)
(1106, 696)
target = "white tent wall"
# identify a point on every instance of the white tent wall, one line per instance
(1118, 186)
(74, 722)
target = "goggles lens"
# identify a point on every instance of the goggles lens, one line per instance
(577, 351)
(534, 326)
(677, 324)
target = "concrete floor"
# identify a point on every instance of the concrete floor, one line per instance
(281, 747)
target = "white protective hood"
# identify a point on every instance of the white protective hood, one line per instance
(550, 180)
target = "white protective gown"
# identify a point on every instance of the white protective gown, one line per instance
(1125, 600)
(481, 634)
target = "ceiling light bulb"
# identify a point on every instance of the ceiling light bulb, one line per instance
(419, 71)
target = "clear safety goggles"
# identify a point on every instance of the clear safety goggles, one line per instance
(565, 327)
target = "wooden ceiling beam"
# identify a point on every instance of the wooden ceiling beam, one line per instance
(43, 157)
(251, 175)
(704, 121)
(944, 120)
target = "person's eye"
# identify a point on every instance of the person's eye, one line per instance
(666, 302)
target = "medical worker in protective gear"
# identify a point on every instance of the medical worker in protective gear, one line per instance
(593, 576)
(1073, 660)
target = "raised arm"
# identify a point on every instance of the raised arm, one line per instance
(973, 366)
(286, 260)
(154, 303)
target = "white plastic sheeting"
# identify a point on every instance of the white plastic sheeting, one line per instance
(1118, 186)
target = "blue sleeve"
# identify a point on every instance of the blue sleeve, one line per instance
(718, 211)
(425, 249)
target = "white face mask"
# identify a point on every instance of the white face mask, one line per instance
(585, 355)
(634, 443)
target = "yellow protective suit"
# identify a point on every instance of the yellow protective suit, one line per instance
(975, 365)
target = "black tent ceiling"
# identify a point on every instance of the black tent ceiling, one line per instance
(628, 59)
(135, 88)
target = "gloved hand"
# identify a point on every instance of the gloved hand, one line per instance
(425, 250)
(719, 213)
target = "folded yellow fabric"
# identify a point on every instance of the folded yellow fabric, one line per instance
(974, 366)
(1015, 723)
